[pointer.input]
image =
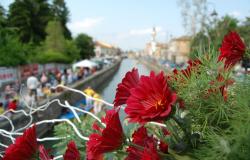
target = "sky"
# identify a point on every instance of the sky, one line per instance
(128, 23)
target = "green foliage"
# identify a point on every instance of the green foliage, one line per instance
(222, 125)
(12, 52)
(56, 48)
(244, 31)
(2, 17)
(63, 129)
(52, 56)
(72, 51)
(30, 17)
(203, 41)
(86, 45)
(61, 14)
(231, 143)
(85, 128)
(41, 29)
(55, 40)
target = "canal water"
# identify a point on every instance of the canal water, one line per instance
(108, 89)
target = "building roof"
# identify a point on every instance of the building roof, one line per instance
(182, 38)
(103, 44)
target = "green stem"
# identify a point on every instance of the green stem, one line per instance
(121, 152)
(175, 133)
(184, 127)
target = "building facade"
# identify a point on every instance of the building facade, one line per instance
(176, 50)
(179, 49)
(103, 49)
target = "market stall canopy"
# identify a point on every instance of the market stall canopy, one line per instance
(85, 64)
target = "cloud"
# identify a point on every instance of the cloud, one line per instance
(142, 33)
(145, 31)
(84, 25)
(235, 14)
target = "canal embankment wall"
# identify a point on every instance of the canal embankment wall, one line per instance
(54, 110)
(152, 65)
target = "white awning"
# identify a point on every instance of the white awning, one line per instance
(85, 63)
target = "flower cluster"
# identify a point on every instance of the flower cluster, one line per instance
(26, 148)
(144, 99)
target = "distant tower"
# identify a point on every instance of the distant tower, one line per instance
(153, 42)
(153, 34)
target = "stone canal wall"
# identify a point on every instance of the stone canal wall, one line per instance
(54, 110)
(154, 66)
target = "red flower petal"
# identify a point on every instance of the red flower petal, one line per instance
(181, 103)
(192, 66)
(24, 148)
(165, 131)
(232, 49)
(147, 144)
(72, 152)
(130, 80)
(222, 85)
(163, 147)
(150, 100)
(150, 153)
(44, 154)
(110, 138)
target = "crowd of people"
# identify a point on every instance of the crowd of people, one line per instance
(40, 87)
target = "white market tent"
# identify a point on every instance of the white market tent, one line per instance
(85, 63)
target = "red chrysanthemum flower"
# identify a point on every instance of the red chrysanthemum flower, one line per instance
(232, 49)
(150, 100)
(150, 153)
(24, 148)
(130, 80)
(109, 139)
(72, 152)
(44, 154)
(146, 143)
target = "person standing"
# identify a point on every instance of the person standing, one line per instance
(97, 104)
(89, 102)
(44, 79)
(32, 84)
(70, 76)
(13, 105)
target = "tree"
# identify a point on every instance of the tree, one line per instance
(12, 52)
(30, 17)
(56, 48)
(244, 31)
(2, 17)
(194, 14)
(61, 13)
(214, 36)
(72, 51)
(86, 45)
(55, 40)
